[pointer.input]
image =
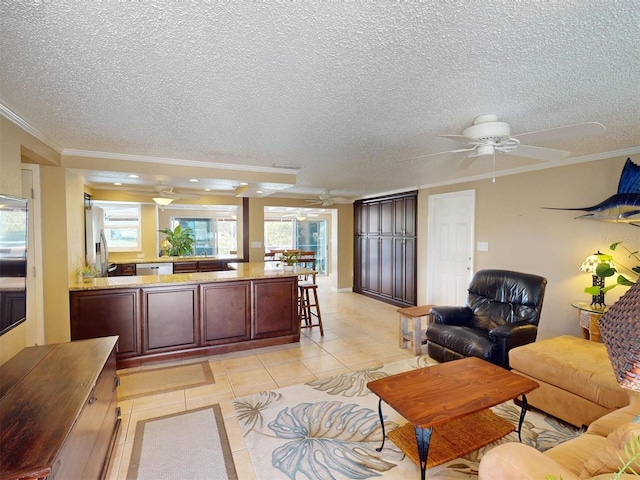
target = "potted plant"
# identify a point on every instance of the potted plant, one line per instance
(181, 241)
(628, 278)
(86, 272)
(290, 259)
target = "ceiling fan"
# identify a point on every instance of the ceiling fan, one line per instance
(488, 135)
(301, 215)
(165, 195)
(326, 199)
(168, 192)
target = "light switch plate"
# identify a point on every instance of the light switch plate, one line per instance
(483, 246)
(256, 244)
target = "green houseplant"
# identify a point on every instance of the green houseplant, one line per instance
(86, 271)
(627, 275)
(289, 259)
(181, 240)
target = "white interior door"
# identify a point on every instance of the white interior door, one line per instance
(450, 247)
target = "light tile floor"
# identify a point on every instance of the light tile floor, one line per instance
(359, 333)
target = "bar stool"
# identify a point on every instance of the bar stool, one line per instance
(306, 306)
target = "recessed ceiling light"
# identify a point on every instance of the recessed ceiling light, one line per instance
(117, 183)
(133, 175)
(194, 180)
(258, 191)
(207, 189)
(244, 183)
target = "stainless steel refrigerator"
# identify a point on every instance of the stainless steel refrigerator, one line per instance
(95, 240)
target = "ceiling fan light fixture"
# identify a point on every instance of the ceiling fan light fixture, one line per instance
(163, 201)
(485, 150)
(494, 131)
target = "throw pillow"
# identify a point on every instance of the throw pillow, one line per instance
(608, 458)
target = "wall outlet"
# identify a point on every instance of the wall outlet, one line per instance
(483, 246)
(141, 255)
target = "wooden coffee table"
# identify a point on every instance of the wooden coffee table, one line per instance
(434, 395)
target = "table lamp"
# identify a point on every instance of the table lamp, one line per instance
(165, 245)
(620, 330)
(590, 265)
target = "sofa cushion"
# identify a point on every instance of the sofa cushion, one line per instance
(608, 423)
(573, 454)
(573, 364)
(609, 458)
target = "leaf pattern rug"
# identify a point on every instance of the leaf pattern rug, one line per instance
(329, 429)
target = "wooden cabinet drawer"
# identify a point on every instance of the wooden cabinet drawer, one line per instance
(185, 267)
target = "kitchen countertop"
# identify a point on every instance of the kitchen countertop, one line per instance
(241, 271)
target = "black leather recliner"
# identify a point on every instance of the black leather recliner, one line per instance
(502, 312)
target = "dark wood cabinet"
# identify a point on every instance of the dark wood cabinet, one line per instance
(171, 318)
(226, 312)
(185, 267)
(162, 322)
(385, 248)
(58, 411)
(101, 313)
(123, 270)
(211, 265)
(274, 308)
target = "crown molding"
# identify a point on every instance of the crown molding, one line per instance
(27, 127)
(174, 161)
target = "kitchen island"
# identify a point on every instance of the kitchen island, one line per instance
(163, 317)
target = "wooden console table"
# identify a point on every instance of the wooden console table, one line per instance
(58, 411)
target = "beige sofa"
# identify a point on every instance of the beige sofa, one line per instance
(576, 379)
(592, 455)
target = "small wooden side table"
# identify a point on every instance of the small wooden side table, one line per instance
(589, 316)
(415, 335)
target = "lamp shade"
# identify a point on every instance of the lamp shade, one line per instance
(162, 200)
(620, 331)
(591, 263)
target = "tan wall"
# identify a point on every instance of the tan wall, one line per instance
(55, 254)
(523, 236)
(17, 146)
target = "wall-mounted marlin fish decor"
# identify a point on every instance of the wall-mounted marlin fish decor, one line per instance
(624, 206)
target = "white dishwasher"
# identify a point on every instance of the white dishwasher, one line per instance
(154, 268)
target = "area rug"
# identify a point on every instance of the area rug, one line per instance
(191, 444)
(165, 379)
(453, 439)
(330, 429)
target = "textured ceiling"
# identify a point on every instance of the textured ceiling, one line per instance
(343, 89)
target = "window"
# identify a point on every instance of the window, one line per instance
(215, 235)
(290, 233)
(122, 227)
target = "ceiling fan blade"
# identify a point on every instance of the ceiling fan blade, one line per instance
(471, 149)
(538, 153)
(465, 162)
(458, 138)
(190, 196)
(168, 194)
(559, 133)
